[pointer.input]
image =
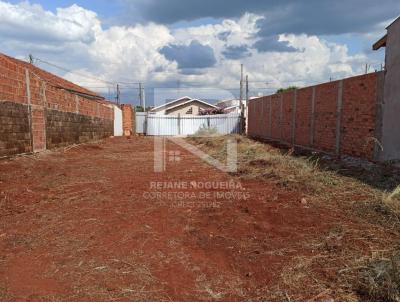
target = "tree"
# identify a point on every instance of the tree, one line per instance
(283, 90)
(139, 109)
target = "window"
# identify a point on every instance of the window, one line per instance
(190, 111)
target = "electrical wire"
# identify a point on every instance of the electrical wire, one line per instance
(83, 75)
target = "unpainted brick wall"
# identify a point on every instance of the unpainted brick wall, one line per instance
(310, 117)
(325, 116)
(303, 129)
(276, 129)
(128, 117)
(35, 101)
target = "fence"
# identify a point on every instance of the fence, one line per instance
(341, 117)
(164, 125)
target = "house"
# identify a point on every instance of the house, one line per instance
(231, 106)
(183, 106)
(390, 107)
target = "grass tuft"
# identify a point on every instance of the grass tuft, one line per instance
(380, 280)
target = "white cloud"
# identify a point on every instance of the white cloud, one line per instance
(316, 59)
(31, 22)
(75, 38)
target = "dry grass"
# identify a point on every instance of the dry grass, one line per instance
(263, 162)
(380, 280)
(309, 174)
(366, 192)
(392, 200)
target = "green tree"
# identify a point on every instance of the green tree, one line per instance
(290, 88)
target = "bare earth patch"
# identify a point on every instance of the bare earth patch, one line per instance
(76, 225)
(363, 196)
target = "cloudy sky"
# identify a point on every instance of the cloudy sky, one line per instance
(196, 47)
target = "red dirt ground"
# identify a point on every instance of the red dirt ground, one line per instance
(75, 225)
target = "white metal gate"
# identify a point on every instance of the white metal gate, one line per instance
(118, 129)
(141, 119)
(166, 125)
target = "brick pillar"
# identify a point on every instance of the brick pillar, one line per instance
(128, 116)
(36, 102)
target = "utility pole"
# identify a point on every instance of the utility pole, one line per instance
(244, 108)
(144, 98)
(241, 84)
(241, 100)
(247, 89)
(140, 95)
(118, 95)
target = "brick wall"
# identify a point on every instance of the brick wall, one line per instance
(128, 117)
(338, 117)
(276, 101)
(66, 128)
(304, 102)
(35, 100)
(15, 136)
(325, 116)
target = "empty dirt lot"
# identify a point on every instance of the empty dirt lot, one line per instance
(86, 224)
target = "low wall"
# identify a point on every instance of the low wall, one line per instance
(65, 128)
(36, 115)
(340, 117)
(15, 135)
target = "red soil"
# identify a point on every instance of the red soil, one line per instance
(76, 226)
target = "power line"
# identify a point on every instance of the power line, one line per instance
(81, 74)
(74, 72)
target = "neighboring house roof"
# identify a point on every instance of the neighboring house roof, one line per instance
(191, 101)
(227, 103)
(179, 102)
(231, 103)
(380, 43)
(396, 20)
(54, 80)
(231, 108)
(170, 103)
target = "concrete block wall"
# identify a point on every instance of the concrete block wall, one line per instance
(35, 100)
(338, 117)
(15, 135)
(66, 128)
